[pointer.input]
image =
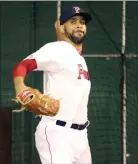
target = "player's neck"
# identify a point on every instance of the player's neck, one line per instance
(78, 47)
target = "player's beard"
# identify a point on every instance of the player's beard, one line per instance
(75, 39)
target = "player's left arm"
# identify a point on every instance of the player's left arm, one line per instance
(59, 34)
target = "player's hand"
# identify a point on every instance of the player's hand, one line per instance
(19, 88)
(23, 90)
(59, 34)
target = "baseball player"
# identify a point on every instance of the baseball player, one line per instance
(62, 139)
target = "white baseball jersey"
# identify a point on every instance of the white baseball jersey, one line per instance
(65, 78)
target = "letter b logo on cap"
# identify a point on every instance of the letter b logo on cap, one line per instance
(77, 9)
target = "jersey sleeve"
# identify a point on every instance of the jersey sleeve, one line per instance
(45, 58)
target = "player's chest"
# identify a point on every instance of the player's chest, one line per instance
(75, 67)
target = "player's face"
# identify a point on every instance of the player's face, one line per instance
(75, 29)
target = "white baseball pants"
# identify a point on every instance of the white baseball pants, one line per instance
(61, 145)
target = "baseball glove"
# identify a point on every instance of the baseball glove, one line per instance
(34, 101)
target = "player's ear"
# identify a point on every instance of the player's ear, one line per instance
(62, 29)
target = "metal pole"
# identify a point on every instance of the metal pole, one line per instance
(58, 8)
(124, 94)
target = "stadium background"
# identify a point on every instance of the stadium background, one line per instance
(25, 27)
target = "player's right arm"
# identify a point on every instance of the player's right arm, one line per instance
(20, 71)
(40, 60)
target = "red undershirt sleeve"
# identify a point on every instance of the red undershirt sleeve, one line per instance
(44, 59)
(23, 67)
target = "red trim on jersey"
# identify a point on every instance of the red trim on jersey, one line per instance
(23, 67)
(79, 52)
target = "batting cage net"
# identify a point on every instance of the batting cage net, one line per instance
(110, 50)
